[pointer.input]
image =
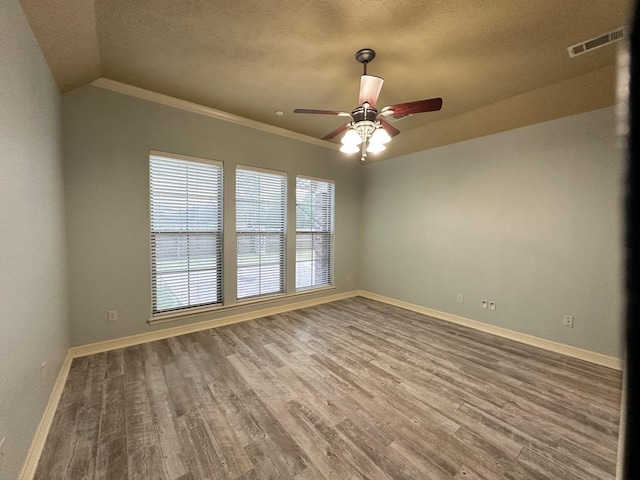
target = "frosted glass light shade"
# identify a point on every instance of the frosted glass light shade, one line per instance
(349, 148)
(351, 138)
(380, 136)
(376, 147)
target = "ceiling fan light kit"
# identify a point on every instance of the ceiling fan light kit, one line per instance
(351, 138)
(368, 132)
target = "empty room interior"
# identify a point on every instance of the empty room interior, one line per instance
(312, 240)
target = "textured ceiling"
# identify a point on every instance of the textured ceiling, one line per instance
(498, 64)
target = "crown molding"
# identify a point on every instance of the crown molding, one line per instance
(162, 99)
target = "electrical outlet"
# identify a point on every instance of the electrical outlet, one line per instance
(460, 298)
(492, 305)
(567, 321)
(113, 315)
(43, 365)
(484, 304)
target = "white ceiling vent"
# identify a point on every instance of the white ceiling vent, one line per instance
(597, 42)
(398, 118)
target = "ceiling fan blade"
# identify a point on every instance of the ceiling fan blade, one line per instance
(390, 129)
(337, 131)
(419, 106)
(322, 112)
(370, 87)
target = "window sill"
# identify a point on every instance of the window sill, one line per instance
(179, 315)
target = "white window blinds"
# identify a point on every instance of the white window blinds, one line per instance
(186, 233)
(261, 199)
(314, 233)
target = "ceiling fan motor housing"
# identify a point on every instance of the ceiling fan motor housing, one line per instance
(364, 120)
(364, 113)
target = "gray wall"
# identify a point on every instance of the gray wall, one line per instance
(33, 286)
(107, 137)
(529, 218)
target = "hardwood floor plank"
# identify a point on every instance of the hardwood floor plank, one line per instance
(491, 432)
(199, 454)
(424, 465)
(580, 466)
(220, 431)
(580, 421)
(388, 460)
(512, 425)
(274, 420)
(465, 473)
(144, 456)
(429, 446)
(61, 441)
(354, 458)
(112, 415)
(548, 467)
(111, 459)
(573, 450)
(269, 465)
(227, 386)
(115, 363)
(308, 387)
(163, 413)
(83, 461)
(349, 390)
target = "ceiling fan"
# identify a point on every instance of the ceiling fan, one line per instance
(368, 132)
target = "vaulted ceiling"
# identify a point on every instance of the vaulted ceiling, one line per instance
(498, 64)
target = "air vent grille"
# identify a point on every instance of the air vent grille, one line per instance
(596, 42)
(398, 118)
(617, 35)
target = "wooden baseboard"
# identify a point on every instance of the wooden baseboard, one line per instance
(568, 350)
(105, 346)
(40, 437)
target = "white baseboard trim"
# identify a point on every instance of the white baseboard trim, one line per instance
(37, 444)
(107, 345)
(550, 345)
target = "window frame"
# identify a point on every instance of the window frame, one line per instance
(327, 233)
(191, 308)
(282, 234)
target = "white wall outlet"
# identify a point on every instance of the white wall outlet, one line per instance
(113, 315)
(460, 298)
(567, 321)
(484, 304)
(492, 305)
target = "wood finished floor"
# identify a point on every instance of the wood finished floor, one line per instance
(353, 389)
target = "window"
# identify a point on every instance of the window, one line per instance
(261, 199)
(314, 233)
(186, 232)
